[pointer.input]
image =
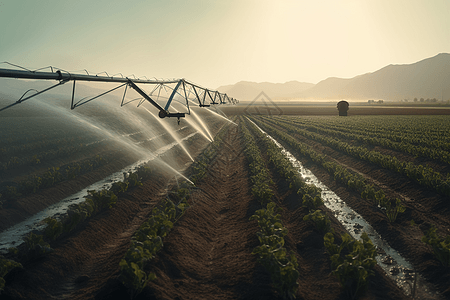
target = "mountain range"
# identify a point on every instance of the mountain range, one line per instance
(428, 78)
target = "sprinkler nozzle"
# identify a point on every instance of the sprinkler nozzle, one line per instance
(162, 114)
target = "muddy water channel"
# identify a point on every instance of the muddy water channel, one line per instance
(13, 236)
(395, 266)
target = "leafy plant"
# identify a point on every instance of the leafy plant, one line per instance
(392, 210)
(144, 172)
(271, 253)
(35, 246)
(30, 185)
(51, 177)
(260, 176)
(134, 180)
(133, 277)
(119, 187)
(319, 219)
(101, 199)
(6, 265)
(312, 202)
(145, 243)
(53, 229)
(73, 170)
(440, 245)
(13, 251)
(352, 261)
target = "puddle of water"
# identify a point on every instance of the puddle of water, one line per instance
(13, 236)
(395, 266)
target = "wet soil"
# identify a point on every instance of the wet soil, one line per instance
(206, 256)
(424, 207)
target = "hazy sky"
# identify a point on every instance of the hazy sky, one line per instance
(218, 42)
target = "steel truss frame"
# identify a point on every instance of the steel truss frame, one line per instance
(199, 94)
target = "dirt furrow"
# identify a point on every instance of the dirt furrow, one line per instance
(315, 280)
(401, 235)
(208, 254)
(82, 263)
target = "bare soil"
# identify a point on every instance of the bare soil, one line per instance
(206, 256)
(423, 207)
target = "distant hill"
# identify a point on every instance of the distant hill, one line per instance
(246, 90)
(428, 78)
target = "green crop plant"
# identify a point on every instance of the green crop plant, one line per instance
(369, 193)
(144, 172)
(282, 268)
(319, 219)
(440, 245)
(94, 203)
(53, 229)
(311, 202)
(269, 221)
(260, 176)
(77, 213)
(6, 265)
(145, 243)
(352, 180)
(352, 261)
(271, 253)
(119, 187)
(30, 185)
(101, 199)
(13, 251)
(393, 208)
(35, 246)
(73, 170)
(51, 177)
(183, 193)
(134, 179)
(133, 277)
(423, 175)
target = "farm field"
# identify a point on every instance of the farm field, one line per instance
(328, 109)
(242, 232)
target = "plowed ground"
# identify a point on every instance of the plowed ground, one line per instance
(423, 206)
(206, 256)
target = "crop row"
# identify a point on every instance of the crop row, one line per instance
(430, 131)
(54, 175)
(148, 239)
(440, 245)
(37, 245)
(33, 154)
(41, 145)
(48, 179)
(200, 165)
(33, 158)
(404, 146)
(271, 252)
(352, 261)
(392, 207)
(423, 175)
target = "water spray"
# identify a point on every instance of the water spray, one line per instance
(171, 133)
(200, 93)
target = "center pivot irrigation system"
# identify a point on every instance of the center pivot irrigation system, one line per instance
(185, 89)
